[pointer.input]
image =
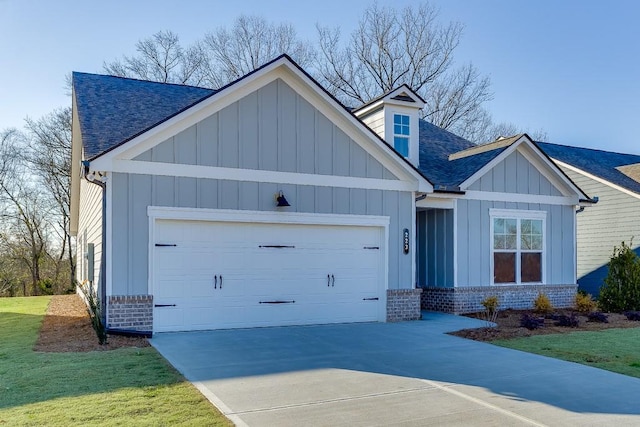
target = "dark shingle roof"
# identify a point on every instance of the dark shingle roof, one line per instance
(113, 110)
(600, 163)
(436, 144)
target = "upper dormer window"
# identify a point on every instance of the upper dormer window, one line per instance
(401, 134)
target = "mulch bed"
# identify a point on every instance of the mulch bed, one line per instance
(67, 328)
(509, 325)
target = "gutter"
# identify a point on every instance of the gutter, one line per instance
(587, 202)
(103, 256)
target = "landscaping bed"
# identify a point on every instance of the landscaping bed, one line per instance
(508, 322)
(67, 328)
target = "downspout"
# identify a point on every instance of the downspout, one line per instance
(103, 256)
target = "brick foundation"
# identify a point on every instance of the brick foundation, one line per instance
(403, 304)
(468, 299)
(134, 313)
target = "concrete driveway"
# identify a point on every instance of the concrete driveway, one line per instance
(382, 374)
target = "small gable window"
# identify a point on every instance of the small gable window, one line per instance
(401, 134)
(517, 246)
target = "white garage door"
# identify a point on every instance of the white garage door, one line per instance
(216, 275)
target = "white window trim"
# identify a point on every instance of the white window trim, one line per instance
(401, 135)
(518, 215)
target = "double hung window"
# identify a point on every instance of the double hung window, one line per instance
(517, 246)
(401, 132)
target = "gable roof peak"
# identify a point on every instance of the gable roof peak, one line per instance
(500, 142)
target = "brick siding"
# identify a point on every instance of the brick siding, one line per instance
(403, 304)
(468, 299)
(134, 313)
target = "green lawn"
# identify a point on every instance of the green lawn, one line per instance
(616, 350)
(118, 387)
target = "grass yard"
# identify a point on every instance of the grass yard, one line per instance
(127, 386)
(616, 350)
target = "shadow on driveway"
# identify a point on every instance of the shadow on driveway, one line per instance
(413, 367)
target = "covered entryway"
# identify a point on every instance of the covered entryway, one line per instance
(229, 274)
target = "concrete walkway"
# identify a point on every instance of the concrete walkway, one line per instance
(382, 374)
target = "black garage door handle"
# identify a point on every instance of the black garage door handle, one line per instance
(370, 299)
(164, 305)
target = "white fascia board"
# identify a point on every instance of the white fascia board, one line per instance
(495, 196)
(597, 179)
(445, 201)
(255, 175)
(268, 217)
(369, 108)
(535, 157)
(436, 203)
(76, 157)
(290, 74)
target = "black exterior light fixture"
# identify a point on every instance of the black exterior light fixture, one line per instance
(281, 201)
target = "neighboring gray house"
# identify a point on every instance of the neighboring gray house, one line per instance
(267, 203)
(615, 179)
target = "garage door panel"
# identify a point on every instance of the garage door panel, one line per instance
(255, 276)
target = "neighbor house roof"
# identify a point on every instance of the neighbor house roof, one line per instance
(606, 165)
(104, 108)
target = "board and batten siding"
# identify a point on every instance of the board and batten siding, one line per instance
(271, 129)
(132, 194)
(474, 241)
(434, 260)
(89, 230)
(515, 174)
(601, 227)
(274, 129)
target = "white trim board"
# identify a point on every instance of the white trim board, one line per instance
(255, 175)
(596, 178)
(230, 215)
(537, 159)
(496, 196)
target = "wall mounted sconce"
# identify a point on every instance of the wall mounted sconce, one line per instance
(281, 201)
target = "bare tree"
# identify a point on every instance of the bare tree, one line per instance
(490, 131)
(24, 217)
(249, 43)
(161, 58)
(391, 47)
(49, 154)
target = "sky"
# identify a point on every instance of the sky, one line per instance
(570, 68)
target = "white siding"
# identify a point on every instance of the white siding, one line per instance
(89, 230)
(375, 121)
(601, 227)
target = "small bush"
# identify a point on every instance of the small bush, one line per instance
(621, 289)
(531, 322)
(597, 317)
(567, 321)
(490, 305)
(542, 304)
(95, 313)
(633, 315)
(584, 303)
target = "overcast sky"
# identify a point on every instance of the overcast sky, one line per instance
(569, 67)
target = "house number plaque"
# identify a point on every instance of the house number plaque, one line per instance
(405, 240)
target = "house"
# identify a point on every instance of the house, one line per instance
(615, 179)
(268, 203)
